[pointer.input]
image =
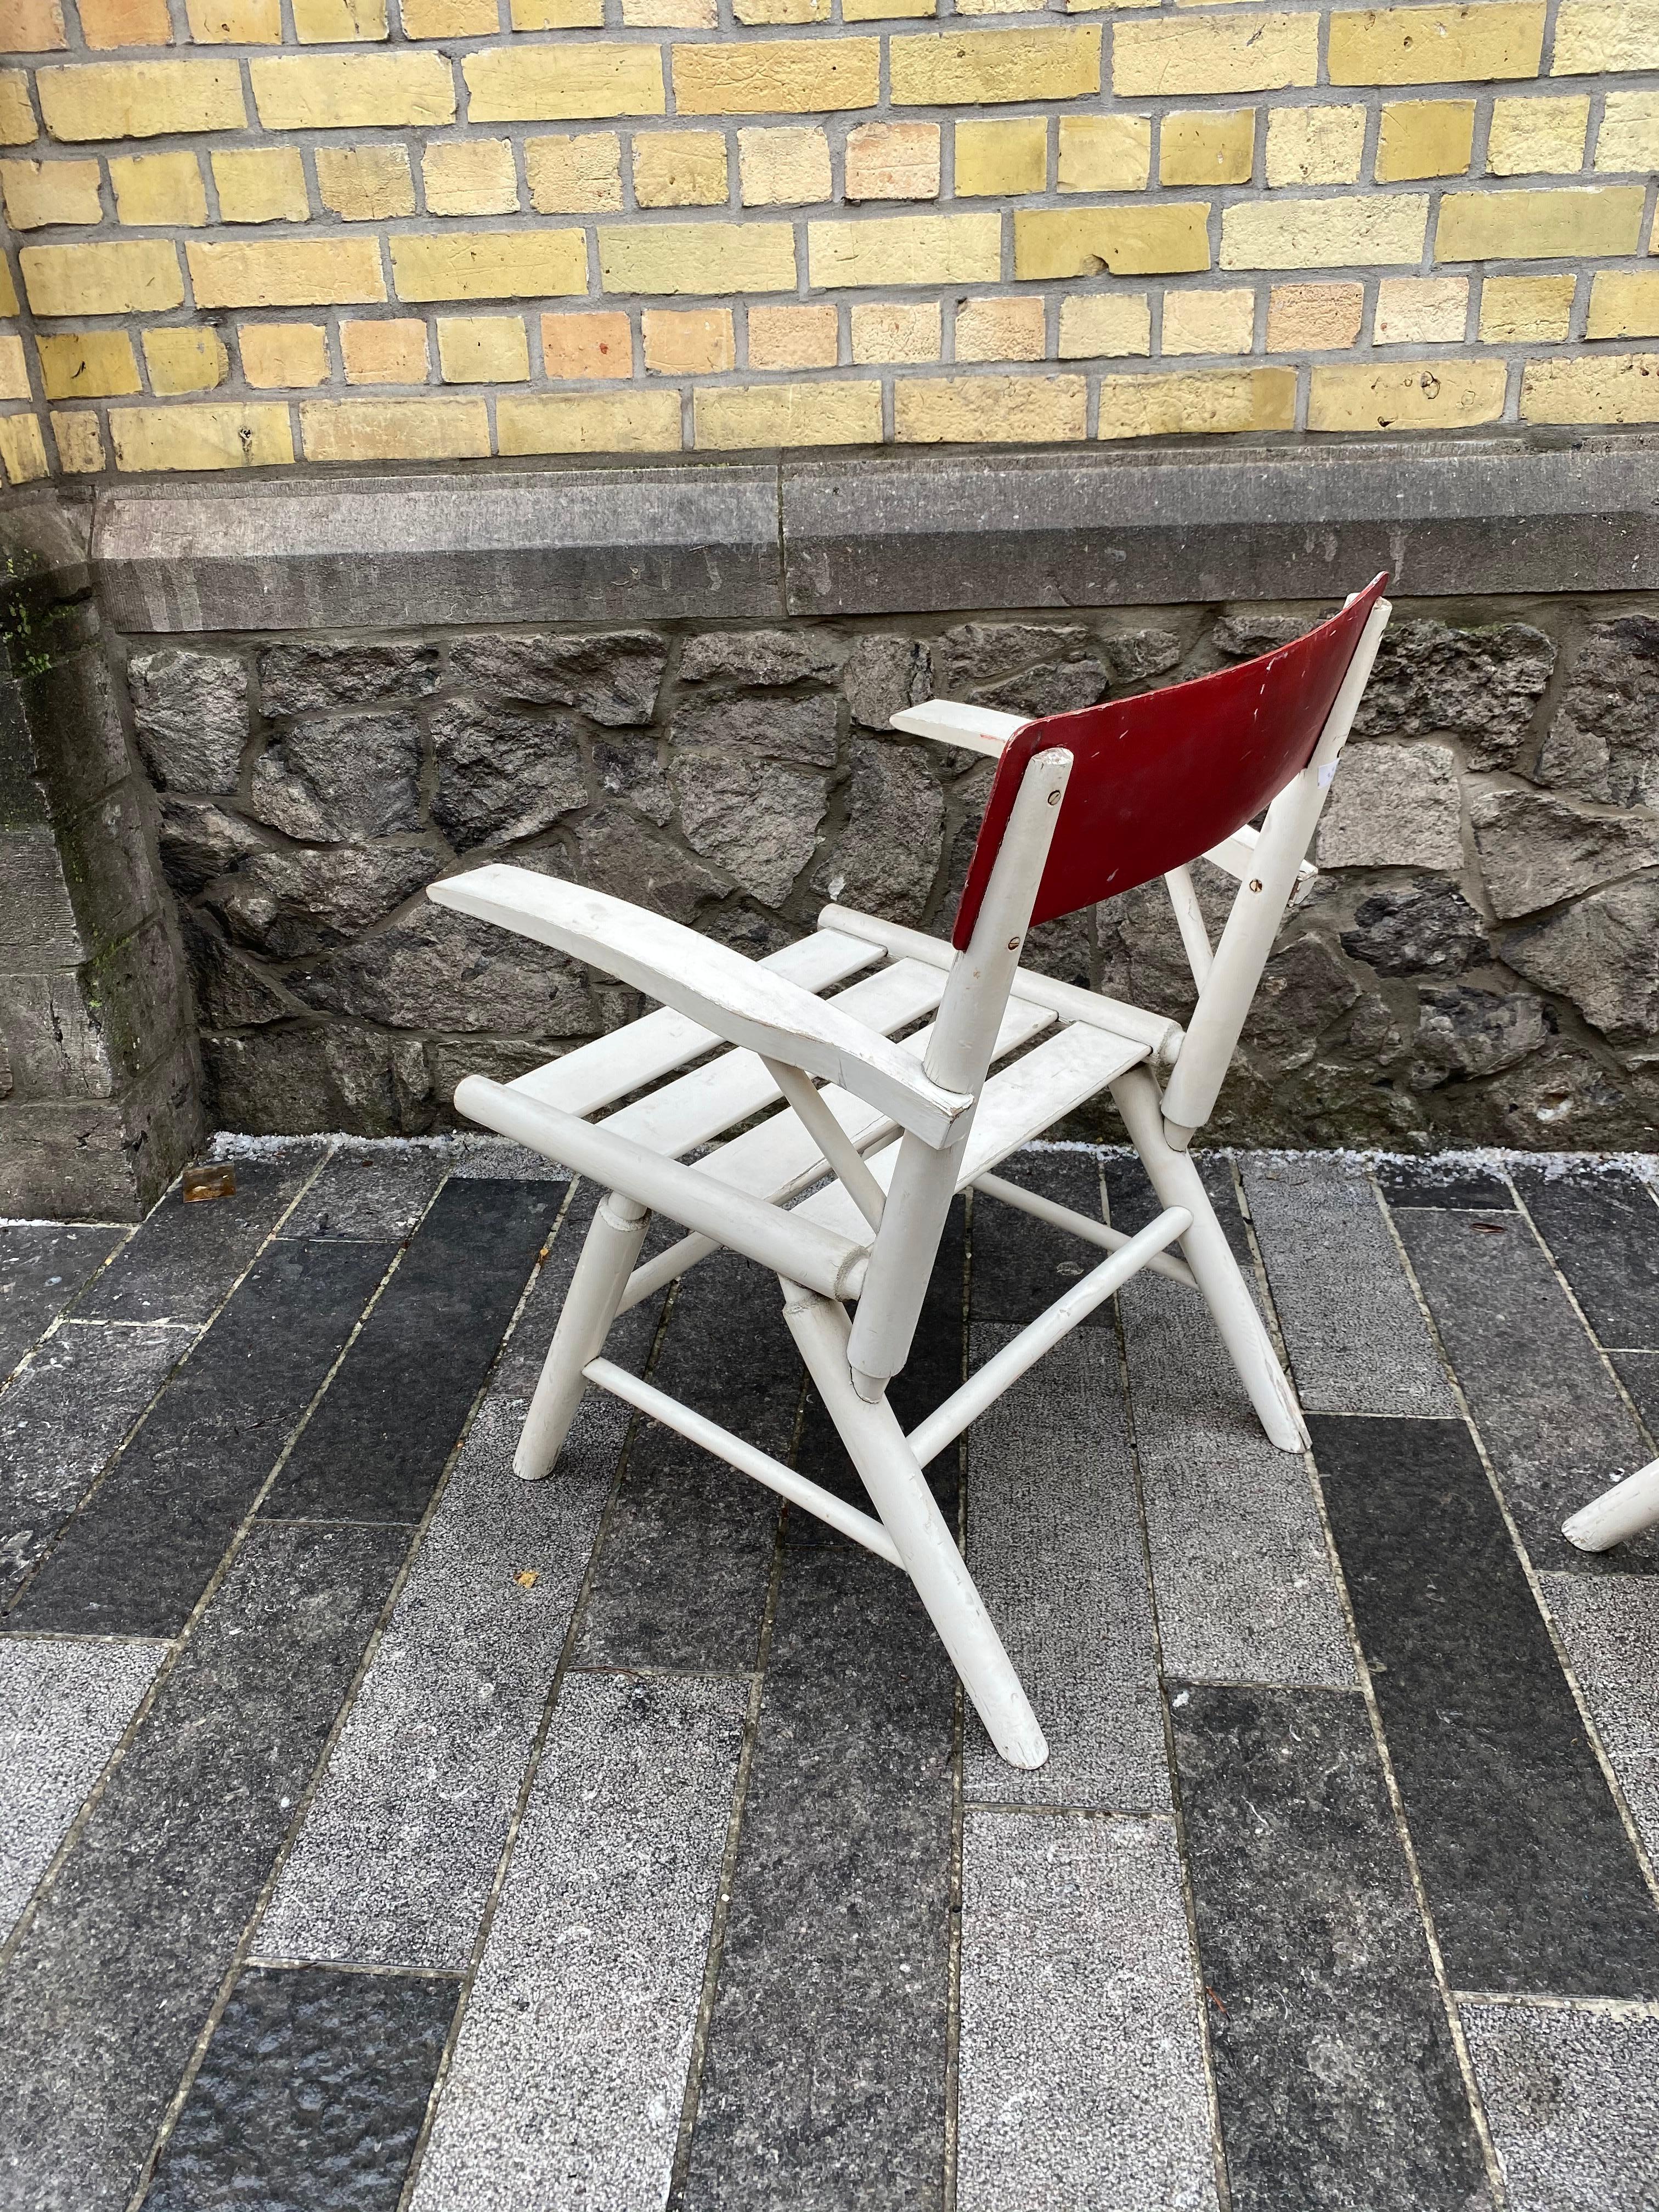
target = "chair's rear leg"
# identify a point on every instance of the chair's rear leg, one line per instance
(590, 1307)
(1205, 1248)
(898, 1489)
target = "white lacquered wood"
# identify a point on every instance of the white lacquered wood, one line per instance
(782, 1242)
(846, 1162)
(1018, 1103)
(1000, 1372)
(1617, 1515)
(747, 1458)
(696, 1108)
(745, 1004)
(608, 1068)
(1174, 1176)
(591, 1304)
(924, 1177)
(1160, 1035)
(888, 1468)
(1079, 1225)
(949, 722)
(1236, 856)
(1213, 1032)
(1189, 920)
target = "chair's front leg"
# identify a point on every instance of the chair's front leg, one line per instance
(898, 1489)
(590, 1307)
(1175, 1177)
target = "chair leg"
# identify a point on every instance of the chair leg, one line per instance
(891, 1473)
(1205, 1248)
(590, 1307)
(1618, 1514)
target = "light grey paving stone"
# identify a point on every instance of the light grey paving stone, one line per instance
(570, 2065)
(1054, 1542)
(60, 1419)
(1572, 2100)
(1081, 2066)
(65, 1703)
(375, 1192)
(497, 1159)
(1358, 1341)
(1610, 1627)
(1245, 1591)
(395, 1859)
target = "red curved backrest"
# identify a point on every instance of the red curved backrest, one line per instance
(1159, 779)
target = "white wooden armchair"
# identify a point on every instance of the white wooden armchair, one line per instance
(1082, 806)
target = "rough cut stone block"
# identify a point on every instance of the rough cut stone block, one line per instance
(1480, 684)
(612, 679)
(1393, 806)
(304, 679)
(287, 904)
(1535, 850)
(1603, 954)
(190, 710)
(340, 778)
(1604, 740)
(1424, 928)
(801, 730)
(437, 971)
(502, 776)
(757, 819)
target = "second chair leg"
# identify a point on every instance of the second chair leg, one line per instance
(590, 1307)
(1175, 1178)
(898, 1489)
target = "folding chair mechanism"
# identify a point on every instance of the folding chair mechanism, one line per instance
(856, 1128)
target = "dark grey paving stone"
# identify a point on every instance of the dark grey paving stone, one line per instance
(631, 1333)
(377, 1444)
(1131, 1201)
(1356, 1337)
(395, 1860)
(1245, 1590)
(1443, 1183)
(1572, 2099)
(682, 1572)
(1334, 2064)
(1054, 1545)
(497, 1159)
(311, 2094)
(570, 2065)
(1081, 2065)
(59, 1421)
(185, 1258)
(135, 1560)
(823, 2083)
(1611, 1631)
(1021, 1265)
(1530, 1876)
(64, 1707)
(1639, 1373)
(43, 1265)
(115, 1975)
(1548, 1410)
(378, 1192)
(1602, 1224)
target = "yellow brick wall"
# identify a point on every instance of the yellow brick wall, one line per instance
(240, 234)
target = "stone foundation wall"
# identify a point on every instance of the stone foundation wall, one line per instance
(1478, 964)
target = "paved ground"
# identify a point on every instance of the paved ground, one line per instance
(378, 1831)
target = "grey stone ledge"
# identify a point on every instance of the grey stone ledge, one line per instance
(765, 537)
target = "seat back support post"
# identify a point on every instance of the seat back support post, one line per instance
(1259, 907)
(925, 1178)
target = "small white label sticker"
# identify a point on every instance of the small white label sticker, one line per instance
(1326, 774)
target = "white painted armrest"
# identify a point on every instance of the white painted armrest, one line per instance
(948, 722)
(1236, 856)
(749, 1006)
